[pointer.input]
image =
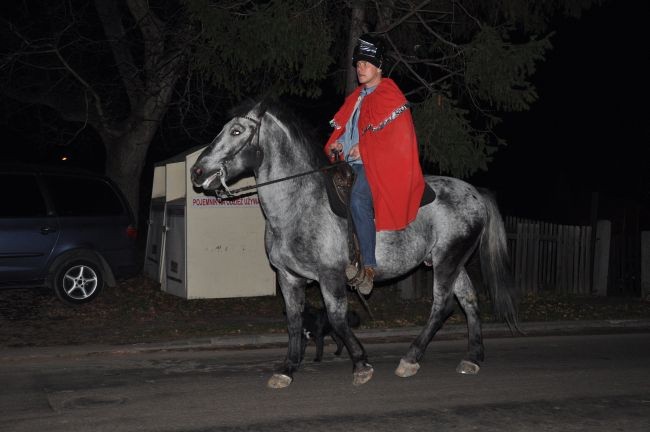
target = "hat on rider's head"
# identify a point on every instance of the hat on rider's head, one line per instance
(369, 48)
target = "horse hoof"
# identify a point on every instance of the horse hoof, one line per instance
(279, 381)
(467, 367)
(406, 369)
(362, 376)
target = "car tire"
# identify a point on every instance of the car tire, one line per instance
(78, 280)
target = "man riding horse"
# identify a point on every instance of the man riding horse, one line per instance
(374, 132)
(270, 143)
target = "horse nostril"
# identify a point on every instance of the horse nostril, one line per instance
(197, 172)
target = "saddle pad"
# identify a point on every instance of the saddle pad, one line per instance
(336, 204)
(428, 195)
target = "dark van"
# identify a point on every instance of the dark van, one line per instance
(72, 231)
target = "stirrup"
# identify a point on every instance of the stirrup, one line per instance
(354, 274)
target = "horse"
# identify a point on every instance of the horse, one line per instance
(306, 242)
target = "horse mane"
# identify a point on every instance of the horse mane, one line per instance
(301, 132)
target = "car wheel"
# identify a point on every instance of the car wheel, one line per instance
(78, 281)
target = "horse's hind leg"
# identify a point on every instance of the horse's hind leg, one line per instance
(293, 291)
(339, 344)
(442, 308)
(466, 295)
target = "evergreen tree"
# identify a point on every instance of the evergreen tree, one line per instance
(461, 64)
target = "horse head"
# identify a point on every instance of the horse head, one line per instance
(234, 151)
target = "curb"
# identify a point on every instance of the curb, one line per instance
(368, 336)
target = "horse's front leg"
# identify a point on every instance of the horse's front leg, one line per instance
(336, 302)
(293, 291)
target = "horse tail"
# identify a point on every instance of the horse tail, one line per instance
(495, 265)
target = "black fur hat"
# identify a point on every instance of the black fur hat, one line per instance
(370, 49)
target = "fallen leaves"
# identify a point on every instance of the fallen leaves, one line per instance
(138, 311)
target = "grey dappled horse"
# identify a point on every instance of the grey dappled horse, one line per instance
(305, 241)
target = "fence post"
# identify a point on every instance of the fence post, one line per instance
(601, 259)
(592, 240)
(645, 265)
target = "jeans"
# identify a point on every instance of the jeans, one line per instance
(363, 216)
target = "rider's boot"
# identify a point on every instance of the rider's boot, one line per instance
(366, 284)
(360, 278)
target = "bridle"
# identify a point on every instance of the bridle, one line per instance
(259, 155)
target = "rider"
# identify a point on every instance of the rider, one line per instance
(374, 131)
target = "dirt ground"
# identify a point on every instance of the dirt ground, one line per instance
(137, 311)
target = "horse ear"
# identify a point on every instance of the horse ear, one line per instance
(262, 107)
(270, 96)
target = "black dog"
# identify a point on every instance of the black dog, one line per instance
(316, 325)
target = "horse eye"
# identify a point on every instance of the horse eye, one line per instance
(235, 132)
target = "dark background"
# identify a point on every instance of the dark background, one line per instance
(588, 132)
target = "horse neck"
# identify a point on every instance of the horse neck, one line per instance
(284, 157)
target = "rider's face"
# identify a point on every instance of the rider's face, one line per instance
(368, 74)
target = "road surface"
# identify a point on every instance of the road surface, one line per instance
(551, 383)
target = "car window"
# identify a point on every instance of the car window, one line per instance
(81, 196)
(21, 196)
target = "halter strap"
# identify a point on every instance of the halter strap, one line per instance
(254, 134)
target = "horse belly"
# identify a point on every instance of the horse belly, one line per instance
(398, 252)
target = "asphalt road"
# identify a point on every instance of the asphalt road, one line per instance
(545, 383)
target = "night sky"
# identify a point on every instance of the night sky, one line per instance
(588, 132)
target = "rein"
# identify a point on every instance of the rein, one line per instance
(231, 193)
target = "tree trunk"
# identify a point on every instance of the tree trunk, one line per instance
(125, 159)
(357, 24)
(126, 152)
(385, 15)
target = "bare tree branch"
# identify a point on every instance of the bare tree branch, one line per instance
(152, 32)
(114, 29)
(433, 32)
(407, 65)
(413, 11)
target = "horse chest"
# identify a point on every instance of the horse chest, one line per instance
(298, 251)
(285, 247)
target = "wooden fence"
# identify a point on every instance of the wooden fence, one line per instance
(545, 257)
(550, 257)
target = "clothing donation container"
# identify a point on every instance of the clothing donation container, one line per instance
(207, 247)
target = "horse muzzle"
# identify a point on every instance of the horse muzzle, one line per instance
(207, 181)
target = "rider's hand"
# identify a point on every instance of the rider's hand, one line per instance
(354, 153)
(336, 151)
(337, 146)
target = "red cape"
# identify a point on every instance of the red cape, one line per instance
(389, 150)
